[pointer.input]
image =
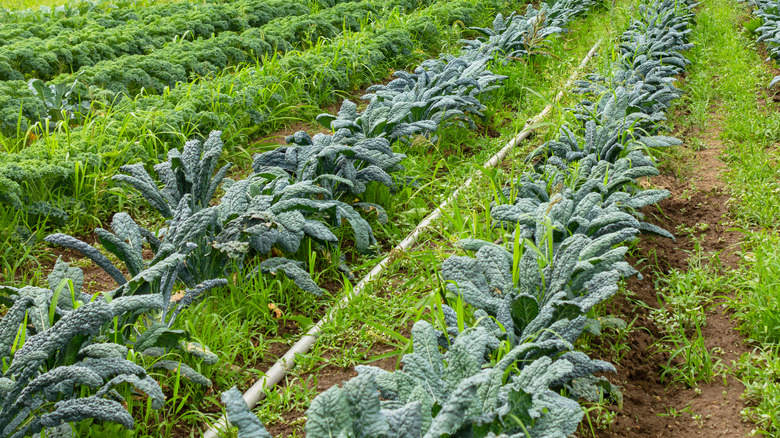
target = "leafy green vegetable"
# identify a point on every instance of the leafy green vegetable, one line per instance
(44, 384)
(340, 162)
(452, 394)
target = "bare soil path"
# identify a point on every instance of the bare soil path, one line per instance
(699, 201)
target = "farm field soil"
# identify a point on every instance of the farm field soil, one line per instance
(698, 201)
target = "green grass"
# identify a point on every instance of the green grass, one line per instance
(685, 297)
(760, 373)
(758, 301)
(757, 307)
(24, 4)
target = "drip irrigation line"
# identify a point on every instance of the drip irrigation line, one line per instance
(277, 372)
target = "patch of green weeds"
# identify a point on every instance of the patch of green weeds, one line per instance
(598, 416)
(690, 361)
(294, 396)
(685, 297)
(759, 371)
(757, 302)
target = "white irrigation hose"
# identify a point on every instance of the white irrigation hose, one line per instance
(277, 372)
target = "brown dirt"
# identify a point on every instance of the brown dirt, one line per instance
(697, 208)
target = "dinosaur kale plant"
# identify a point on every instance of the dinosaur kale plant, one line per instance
(268, 209)
(574, 213)
(54, 369)
(610, 130)
(647, 95)
(766, 25)
(147, 297)
(445, 90)
(187, 172)
(457, 393)
(379, 120)
(419, 103)
(559, 13)
(519, 36)
(341, 162)
(594, 198)
(203, 242)
(514, 37)
(241, 417)
(649, 61)
(549, 287)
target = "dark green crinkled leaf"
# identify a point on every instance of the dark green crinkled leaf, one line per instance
(240, 416)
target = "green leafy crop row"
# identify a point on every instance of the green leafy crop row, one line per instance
(291, 29)
(280, 204)
(179, 62)
(131, 74)
(68, 52)
(768, 15)
(47, 22)
(113, 80)
(570, 220)
(176, 62)
(239, 104)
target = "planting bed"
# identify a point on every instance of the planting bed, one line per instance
(191, 193)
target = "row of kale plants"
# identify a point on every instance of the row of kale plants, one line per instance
(121, 62)
(68, 51)
(279, 27)
(45, 21)
(42, 177)
(65, 353)
(768, 29)
(517, 373)
(75, 14)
